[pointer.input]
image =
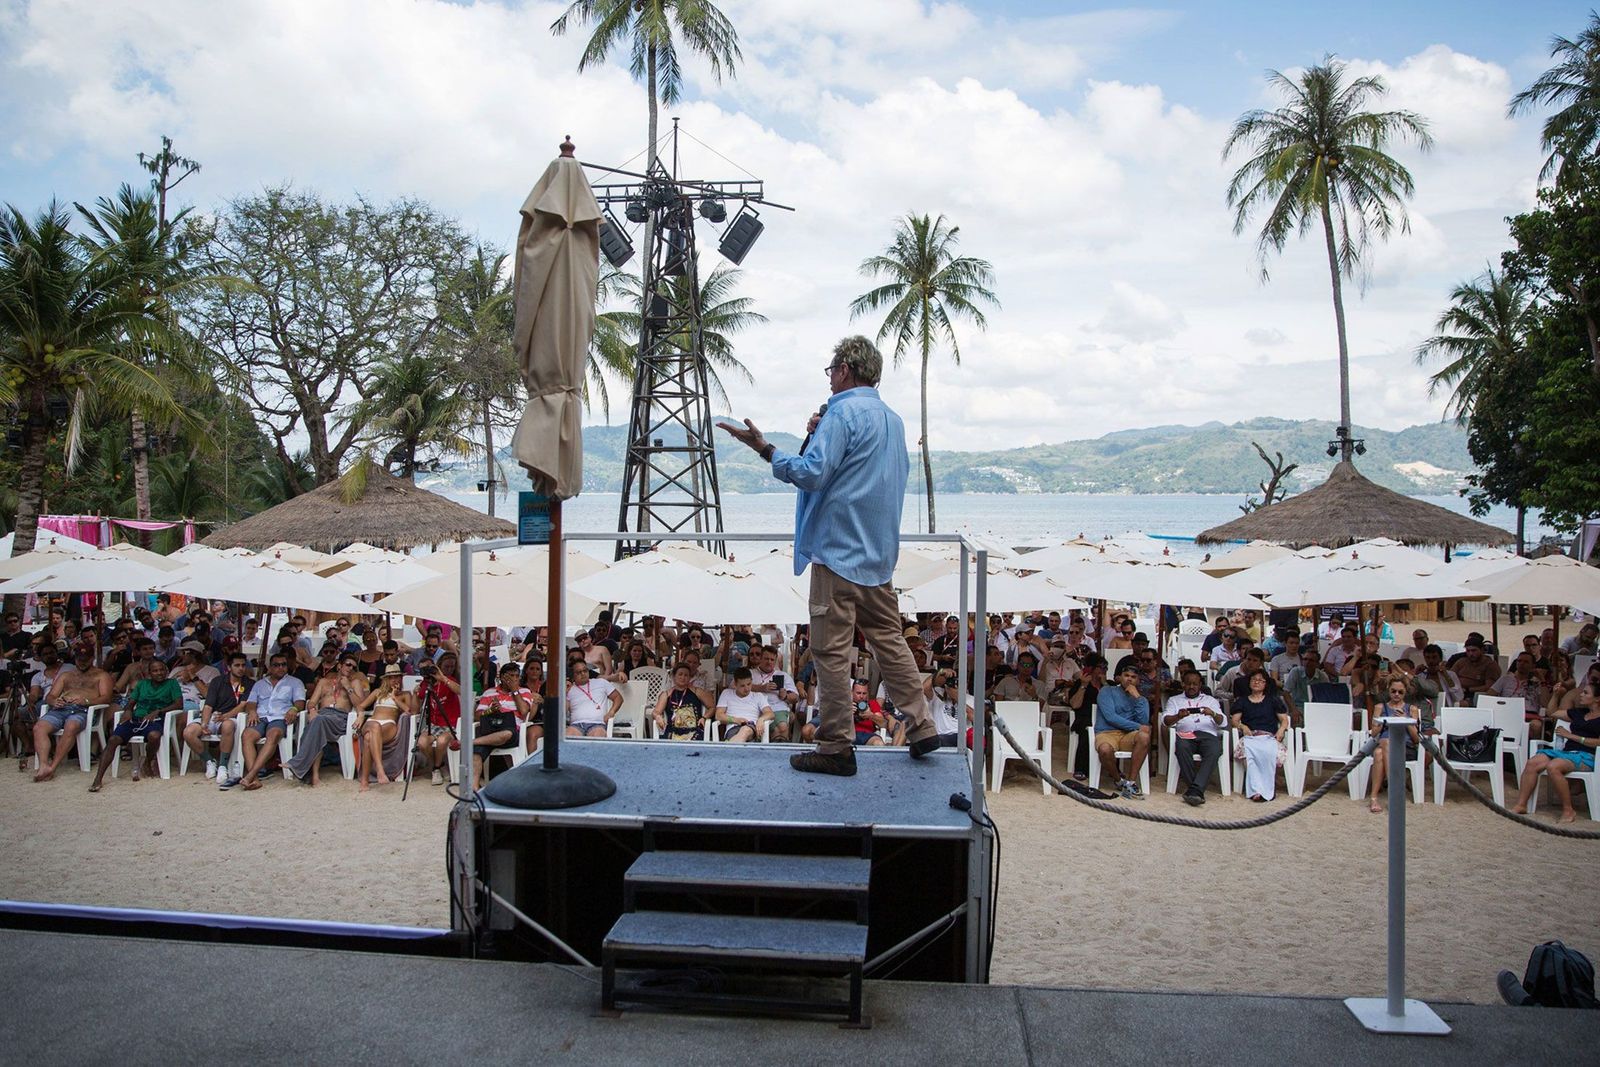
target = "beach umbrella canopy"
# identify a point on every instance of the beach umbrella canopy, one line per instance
(1362, 582)
(360, 551)
(1074, 551)
(45, 551)
(1251, 555)
(101, 572)
(1007, 591)
(382, 575)
(1484, 562)
(777, 567)
(1391, 553)
(1147, 582)
(307, 559)
(557, 273)
(193, 553)
(1349, 507)
(657, 584)
(578, 564)
(145, 556)
(1551, 580)
(389, 512)
(505, 592)
(266, 580)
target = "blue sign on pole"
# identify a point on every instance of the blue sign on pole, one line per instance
(533, 518)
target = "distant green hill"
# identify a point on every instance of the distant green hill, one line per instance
(1211, 458)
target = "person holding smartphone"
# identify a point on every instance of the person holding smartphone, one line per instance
(1198, 718)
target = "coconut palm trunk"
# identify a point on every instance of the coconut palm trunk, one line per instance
(1338, 322)
(30, 486)
(488, 454)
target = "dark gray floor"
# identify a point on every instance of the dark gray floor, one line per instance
(79, 999)
(682, 780)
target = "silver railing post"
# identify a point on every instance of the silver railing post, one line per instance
(1393, 1013)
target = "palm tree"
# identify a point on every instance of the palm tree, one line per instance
(411, 408)
(927, 289)
(152, 253)
(646, 27)
(477, 322)
(65, 315)
(1484, 330)
(721, 315)
(1321, 157)
(1575, 82)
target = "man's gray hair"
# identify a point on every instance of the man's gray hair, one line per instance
(861, 356)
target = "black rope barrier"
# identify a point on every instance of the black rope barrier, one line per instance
(1177, 820)
(1500, 810)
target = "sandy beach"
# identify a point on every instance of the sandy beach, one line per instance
(1087, 899)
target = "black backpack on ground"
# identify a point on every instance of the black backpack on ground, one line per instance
(1557, 977)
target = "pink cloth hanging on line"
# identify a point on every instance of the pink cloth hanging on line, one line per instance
(144, 524)
(85, 528)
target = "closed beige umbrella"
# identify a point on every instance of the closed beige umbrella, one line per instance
(557, 275)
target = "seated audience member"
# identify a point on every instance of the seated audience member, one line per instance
(70, 697)
(1395, 706)
(1155, 681)
(1520, 683)
(369, 659)
(947, 645)
(638, 655)
(377, 723)
(1198, 719)
(1079, 643)
(392, 657)
(598, 657)
(1058, 669)
(705, 671)
(1573, 692)
(1262, 719)
(1023, 685)
(194, 672)
(148, 703)
(273, 703)
(1477, 670)
(1584, 642)
(501, 709)
(1225, 651)
(1441, 678)
(1419, 644)
(1124, 635)
(1219, 626)
(680, 712)
(216, 718)
(1287, 660)
(741, 710)
(432, 648)
(328, 710)
(869, 715)
(166, 644)
(1332, 629)
(1572, 749)
(1343, 655)
(591, 702)
(1384, 633)
(51, 664)
(438, 701)
(1082, 697)
(944, 701)
(1141, 643)
(144, 654)
(768, 679)
(1122, 724)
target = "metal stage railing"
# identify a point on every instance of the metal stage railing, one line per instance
(971, 557)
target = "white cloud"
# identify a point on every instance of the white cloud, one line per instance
(1127, 300)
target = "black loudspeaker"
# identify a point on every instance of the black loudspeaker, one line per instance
(614, 244)
(740, 235)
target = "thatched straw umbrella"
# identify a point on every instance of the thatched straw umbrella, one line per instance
(390, 513)
(1348, 508)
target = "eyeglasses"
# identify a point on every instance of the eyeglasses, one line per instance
(830, 368)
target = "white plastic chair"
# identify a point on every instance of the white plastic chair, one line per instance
(1026, 723)
(1194, 627)
(1509, 714)
(1413, 772)
(1222, 777)
(1289, 743)
(1094, 759)
(93, 727)
(630, 715)
(1325, 737)
(1590, 780)
(169, 721)
(1458, 722)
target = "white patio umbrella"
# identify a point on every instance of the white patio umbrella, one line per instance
(145, 556)
(1159, 581)
(1391, 553)
(379, 574)
(1007, 591)
(1285, 570)
(777, 567)
(1484, 562)
(1251, 555)
(266, 580)
(578, 564)
(657, 584)
(505, 592)
(297, 556)
(1076, 551)
(1559, 580)
(360, 551)
(99, 573)
(46, 550)
(1361, 582)
(195, 552)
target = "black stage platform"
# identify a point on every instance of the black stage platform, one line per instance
(564, 869)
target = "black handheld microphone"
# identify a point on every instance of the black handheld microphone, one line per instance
(823, 410)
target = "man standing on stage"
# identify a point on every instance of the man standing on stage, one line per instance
(851, 476)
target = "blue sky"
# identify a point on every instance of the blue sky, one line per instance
(1077, 147)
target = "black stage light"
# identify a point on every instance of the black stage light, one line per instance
(637, 212)
(614, 242)
(1361, 448)
(676, 262)
(740, 235)
(713, 211)
(660, 195)
(1333, 448)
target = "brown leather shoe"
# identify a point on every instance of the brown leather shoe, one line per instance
(840, 763)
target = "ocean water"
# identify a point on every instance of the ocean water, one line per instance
(1006, 519)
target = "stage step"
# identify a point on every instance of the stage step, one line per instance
(805, 943)
(751, 874)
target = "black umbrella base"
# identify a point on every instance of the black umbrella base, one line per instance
(530, 785)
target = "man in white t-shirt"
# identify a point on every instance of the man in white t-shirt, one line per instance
(767, 678)
(741, 710)
(1288, 659)
(591, 702)
(1198, 719)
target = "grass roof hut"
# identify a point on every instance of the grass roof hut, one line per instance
(1348, 508)
(390, 513)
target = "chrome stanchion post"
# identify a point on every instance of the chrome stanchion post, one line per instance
(1394, 1014)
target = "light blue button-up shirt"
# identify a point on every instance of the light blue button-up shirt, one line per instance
(852, 482)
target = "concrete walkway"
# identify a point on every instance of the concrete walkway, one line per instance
(78, 999)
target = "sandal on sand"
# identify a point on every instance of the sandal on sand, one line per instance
(1375, 808)
(252, 785)
(95, 788)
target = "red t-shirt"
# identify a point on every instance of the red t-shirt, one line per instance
(442, 700)
(865, 723)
